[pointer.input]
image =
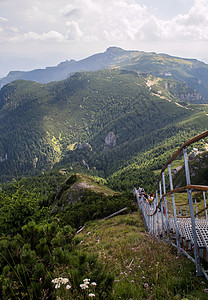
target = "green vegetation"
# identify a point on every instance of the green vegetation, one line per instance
(43, 257)
(143, 268)
(41, 125)
(84, 143)
(37, 243)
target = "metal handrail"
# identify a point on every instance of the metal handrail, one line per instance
(161, 227)
(179, 151)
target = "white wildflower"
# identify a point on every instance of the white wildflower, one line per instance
(83, 286)
(93, 283)
(91, 295)
(57, 286)
(64, 280)
(68, 286)
(54, 280)
(86, 280)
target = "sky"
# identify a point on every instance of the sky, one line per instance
(36, 34)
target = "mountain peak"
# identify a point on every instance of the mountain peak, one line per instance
(115, 49)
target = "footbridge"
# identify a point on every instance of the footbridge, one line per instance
(179, 216)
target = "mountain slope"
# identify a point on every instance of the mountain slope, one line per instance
(95, 62)
(194, 73)
(116, 112)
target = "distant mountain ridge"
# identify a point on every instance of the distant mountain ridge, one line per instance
(191, 71)
(62, 70)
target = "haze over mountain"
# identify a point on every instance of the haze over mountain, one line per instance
(193, 72)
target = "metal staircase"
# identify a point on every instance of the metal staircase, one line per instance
(182, 225)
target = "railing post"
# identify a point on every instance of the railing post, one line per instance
(191, 208)
(160, 186)
(174, 207)
(150, 218)
(154, 218)
(196, 209)
(205, 203)
(158, 227)
(149, 223)
(166, 209)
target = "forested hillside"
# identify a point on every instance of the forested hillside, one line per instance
(193, 72)
(102, 120)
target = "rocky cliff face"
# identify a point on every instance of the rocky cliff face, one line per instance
(81, 146)
(110, 141)
(192, 97)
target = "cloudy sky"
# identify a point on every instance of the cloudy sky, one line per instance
(36, 34)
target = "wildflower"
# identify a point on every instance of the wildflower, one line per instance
(143, 277)
(141, 260)
(86, 280)
(146, 285)
(188, 257)
(139, 267)
(176, 257)
(68, 286)
(121, 273)
(57, 286)
(116, 280)
(60, 280)
(206, 290)
(91, 295)
(83, 286)
(132, 281)
(64, 280)
(93, 283)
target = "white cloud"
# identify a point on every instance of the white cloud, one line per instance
(88, 26)
(73, 32)
(109, 20)
(45, 36)
(3, 19)
(191, 26)
(116, 20)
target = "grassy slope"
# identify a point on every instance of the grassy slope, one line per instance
(144, 268)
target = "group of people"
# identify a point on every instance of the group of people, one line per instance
(149, 198)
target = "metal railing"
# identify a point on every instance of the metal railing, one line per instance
(180, 224)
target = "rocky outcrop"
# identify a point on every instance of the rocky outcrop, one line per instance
(192, 97)
(81, 146)
(110, 141)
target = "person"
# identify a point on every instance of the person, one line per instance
(151, 198)
(140, 190)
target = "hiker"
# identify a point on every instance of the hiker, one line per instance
(140, 190)
(151, 198)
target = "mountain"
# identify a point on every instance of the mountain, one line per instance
(111, 56)
(190, 71)
(102, 121)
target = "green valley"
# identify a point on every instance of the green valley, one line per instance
(103, 121)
